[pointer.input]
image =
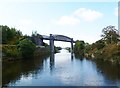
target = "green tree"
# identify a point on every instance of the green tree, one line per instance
(9, 35)
(27, 48)
(100, 44)
(79, 47)
(87, 47)
(4, 33)
(110, 34)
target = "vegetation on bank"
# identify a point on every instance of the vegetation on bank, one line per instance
(10, 38)
(27, 48)
(107, 48)
(57, 49)
(79, 47)
(10, 51)
(10, 35)
(68, 48)
(15, 45)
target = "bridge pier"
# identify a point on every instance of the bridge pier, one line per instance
(71, 45)
(51, 43)
(52, 61)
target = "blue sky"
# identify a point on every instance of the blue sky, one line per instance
(78, 20)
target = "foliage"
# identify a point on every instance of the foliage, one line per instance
(41, 51)
(100, 44)
(27, 48)
(79, 47)
(110, 34)
(87, 48)
(4, 31)
(9, 35)
(107, 48)
(45, 44)
(110, 52)
(11, 51)
(68, 48)
(57, 49)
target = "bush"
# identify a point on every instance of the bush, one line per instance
(27, 48)
(11, 51)
(79, 47)
(112, 51)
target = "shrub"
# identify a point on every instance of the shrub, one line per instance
(27, 48)
(11, 51)
(79, 47)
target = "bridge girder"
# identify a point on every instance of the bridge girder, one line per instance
(58, 38)
(53, 38)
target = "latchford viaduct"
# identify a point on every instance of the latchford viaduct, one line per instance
(39, 40)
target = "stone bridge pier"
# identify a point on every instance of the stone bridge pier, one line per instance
(51, 43)
(71, 45)
(52, 39)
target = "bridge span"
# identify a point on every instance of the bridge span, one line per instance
(39, 40)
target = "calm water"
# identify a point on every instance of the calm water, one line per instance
(61, 69)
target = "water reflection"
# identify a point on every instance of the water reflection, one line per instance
(109, 70)
(52, 61)
(61, 69)
(71, 56)
(79, 56)
(13, 71)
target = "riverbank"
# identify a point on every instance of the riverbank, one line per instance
(11, 53)
(59, 70)
(109, 53)
(106, 49)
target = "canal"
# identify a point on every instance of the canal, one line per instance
(61, 69)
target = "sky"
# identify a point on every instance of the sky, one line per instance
(76, 19)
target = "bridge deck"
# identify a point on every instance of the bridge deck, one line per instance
(58, 38)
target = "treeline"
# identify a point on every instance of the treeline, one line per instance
(10, 35)
(107, 48)
(15, 45)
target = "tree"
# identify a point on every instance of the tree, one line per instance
(27, 48)
(87, 47)
(99, 44)
(79, 47)
(110, 34)
(9, 34)
(4, 33)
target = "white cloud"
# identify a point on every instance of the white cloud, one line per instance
(68, 20)
(81, 13)
(88, 14)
